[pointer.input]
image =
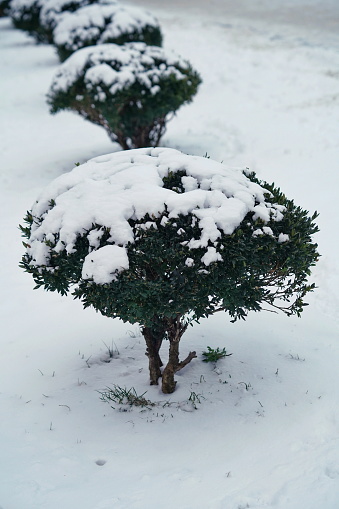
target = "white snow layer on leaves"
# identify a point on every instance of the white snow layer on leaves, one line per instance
(102, 265)
(19, 4)
(112, 189)
(53, 11)
(19, 7)
(100, 23)
(117, 67)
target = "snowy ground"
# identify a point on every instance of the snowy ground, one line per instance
(265, 433)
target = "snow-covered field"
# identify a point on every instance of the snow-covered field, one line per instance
(265, 430)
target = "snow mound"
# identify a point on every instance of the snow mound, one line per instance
(103, 264)
(111, 190)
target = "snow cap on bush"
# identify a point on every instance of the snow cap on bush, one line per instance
(129, 90)
(54, 11)
(112, 190)
(98, 24)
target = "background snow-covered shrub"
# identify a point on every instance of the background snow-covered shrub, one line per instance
(53, 11)
(129, 90)
(25, 15)
(97, 24)
(40, 17)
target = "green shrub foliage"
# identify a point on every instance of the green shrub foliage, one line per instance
(129, 90)
(99, 24)
(214, 354)
(163, 239)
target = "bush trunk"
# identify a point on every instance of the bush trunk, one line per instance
(172, 329)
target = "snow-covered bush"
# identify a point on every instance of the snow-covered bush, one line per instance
(53, 12)
(39, 17)
(98, 24)
(4, 7)
(162, 239)
(129, 90)
(25, 14)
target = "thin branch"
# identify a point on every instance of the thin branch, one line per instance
(269, 310)
(281, 308)
(182, 364)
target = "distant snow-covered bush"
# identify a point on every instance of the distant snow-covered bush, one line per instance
(98, 24)
(163, 239)
(129, 90)
(39, 17)
(25, 15)
(53, 11)
(4, 7)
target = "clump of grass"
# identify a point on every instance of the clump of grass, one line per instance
(123, 396)
(213, 355)
(195, 398)
(112, 350)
